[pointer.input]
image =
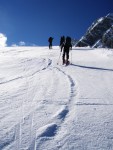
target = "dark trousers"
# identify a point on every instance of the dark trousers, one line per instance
(65, 56)
(50, 45)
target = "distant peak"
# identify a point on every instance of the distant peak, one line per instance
(99, 34)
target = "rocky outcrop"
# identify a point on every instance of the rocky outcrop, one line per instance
(99, 34)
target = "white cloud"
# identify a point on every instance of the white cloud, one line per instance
(14, 45)
(3, 40)
(22, 43)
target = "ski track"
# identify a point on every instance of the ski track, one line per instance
(50, 130)
(34, 73)
(47, 126)
(40, 112)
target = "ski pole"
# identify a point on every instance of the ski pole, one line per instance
(71, 56)
(59, 58)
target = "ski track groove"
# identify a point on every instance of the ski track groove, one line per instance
(18, 126)
(31, 118)
(72, 85)
(50, 128)
(31, 75)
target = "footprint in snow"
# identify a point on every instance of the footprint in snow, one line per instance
(61, 114)
(47, 130)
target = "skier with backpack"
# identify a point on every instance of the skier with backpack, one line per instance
(66, 47)
(50, 40)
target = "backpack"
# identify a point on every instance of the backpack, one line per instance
(68, 41)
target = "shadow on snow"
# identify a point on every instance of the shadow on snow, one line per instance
(95, 68)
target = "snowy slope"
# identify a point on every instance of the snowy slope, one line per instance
(45, 106)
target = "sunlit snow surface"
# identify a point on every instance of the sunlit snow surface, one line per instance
(47, 106)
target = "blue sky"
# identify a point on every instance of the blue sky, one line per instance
(33, 21)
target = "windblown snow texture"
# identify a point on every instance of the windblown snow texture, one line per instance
(47, 106)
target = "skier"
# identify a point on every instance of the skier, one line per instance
(62, 42)
(67, 46)
(50, 40)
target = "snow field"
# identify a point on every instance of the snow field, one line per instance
(48, 106)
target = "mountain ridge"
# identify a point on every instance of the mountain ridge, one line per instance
(99, 34)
